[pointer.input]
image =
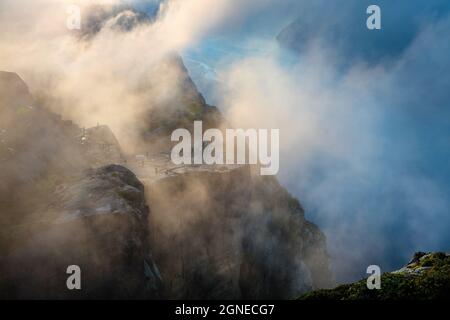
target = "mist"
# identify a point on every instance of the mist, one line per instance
(363, 132)
(363, 128)
(98, 74)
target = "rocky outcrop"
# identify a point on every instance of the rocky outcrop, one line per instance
(39, 150)
(212, 232)
(283, 252)
(110, 189)
(225, 232)
(14, 92)
(100, 146)
(97, 222)
(197, 228)
(231, 234)
(185, 105)
(56, 209)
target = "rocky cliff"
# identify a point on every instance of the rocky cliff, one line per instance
(60, 206)
(97, 221)
(185, 232)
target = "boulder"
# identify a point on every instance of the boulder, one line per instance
(97, 222)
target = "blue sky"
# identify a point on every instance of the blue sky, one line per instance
(401, 202)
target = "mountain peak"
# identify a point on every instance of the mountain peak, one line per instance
(13, 91)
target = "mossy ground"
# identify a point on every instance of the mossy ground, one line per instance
(430, 283)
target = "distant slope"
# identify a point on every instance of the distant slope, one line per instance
(427, 276)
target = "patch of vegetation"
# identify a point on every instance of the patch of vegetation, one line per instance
(407, 284)
(195, 110)
(23, 111)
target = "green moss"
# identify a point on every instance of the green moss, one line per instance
(23, 111)
(48, 183)
(432, 283)
(195, 110)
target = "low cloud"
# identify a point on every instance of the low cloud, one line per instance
(352, 144)
(362, 147)
(112, 76)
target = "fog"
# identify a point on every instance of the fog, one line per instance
(362, 135)
(362, 140)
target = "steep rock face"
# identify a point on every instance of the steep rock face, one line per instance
(101, 147)
(196, 225)
(97, 222)
(109, 189)
(38, 150)
(232, 235)
(184, 106)
(283, 252)
(56, 212)
(214, 232)
(14, 92)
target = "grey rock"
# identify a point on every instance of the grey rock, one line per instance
(98, 222)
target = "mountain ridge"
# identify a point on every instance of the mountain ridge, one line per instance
(229, 213)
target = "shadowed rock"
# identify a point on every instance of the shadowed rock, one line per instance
(225, 233)
(98, 222)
